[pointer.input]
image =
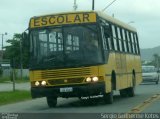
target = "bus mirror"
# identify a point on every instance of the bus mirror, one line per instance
(24, 35)
(25, 40)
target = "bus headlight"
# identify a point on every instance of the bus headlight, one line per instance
(95, 79)
(37, 83)
(88, 79)
(43, 83)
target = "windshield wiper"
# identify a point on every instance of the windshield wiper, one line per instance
(50, 59)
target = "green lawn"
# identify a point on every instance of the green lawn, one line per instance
(7, 97)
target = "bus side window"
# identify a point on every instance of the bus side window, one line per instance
(119, 39)
(128, 42)
(137, 45)
(133, 43)
(104, 39)
(114, 38)
(122, 40)
(107, 36)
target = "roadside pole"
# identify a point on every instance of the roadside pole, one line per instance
(21, 64)
(13, 73)
(92, 4)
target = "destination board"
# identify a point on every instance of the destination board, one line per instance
(52, 20)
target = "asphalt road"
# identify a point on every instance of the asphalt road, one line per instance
(74, 105)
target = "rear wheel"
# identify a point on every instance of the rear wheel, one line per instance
(131, 90)
(51, 101)
(123, 93)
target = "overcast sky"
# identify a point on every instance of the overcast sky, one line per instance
(15, 15)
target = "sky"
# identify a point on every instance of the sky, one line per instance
(142, 14)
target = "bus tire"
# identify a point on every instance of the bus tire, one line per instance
(123, 93)
(108, 97)
(51, 101)
(131, 90)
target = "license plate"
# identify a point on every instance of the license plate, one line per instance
(68, 89)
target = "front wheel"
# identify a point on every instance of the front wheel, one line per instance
(51, 101)
(108, 97)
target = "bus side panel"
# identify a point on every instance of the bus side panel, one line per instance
(139, 70)
(124, 78)
(123, 65)
(118, 70)
(133, 63)
(107, 69)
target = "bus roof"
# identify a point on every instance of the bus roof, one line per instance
(115, 21)
(100, 14)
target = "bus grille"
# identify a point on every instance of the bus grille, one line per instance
(65, 81)
(64, 73)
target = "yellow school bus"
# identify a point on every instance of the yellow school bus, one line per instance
(82, 54)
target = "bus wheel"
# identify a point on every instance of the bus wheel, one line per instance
(51, 101)
(108, 97)
(123, 93)
(131, 90)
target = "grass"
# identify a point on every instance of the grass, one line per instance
(8, 97)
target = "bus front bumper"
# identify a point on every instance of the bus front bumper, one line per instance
(74, 90)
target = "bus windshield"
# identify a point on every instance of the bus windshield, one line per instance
(68, 46)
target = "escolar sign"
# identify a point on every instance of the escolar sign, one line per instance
(52, 20)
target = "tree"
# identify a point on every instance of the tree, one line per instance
(13, 51)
